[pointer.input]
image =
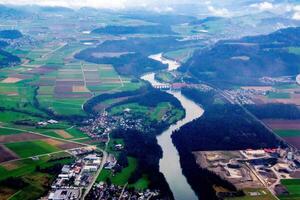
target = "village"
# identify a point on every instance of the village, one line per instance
(102, 125)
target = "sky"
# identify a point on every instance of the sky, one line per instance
(223, 8)
(113, 4)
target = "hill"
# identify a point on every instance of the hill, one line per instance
(246, 60)
(10, 34)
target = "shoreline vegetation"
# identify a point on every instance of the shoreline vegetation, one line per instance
(234, 130)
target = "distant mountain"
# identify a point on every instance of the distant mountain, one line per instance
(246, 60)
(10, 34)
(12, 12)
(207, 19)
(161, 19)
(56, 9)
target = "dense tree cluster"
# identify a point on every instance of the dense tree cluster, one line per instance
(145, 149)
(222, 127)
(10, 34)
(275, 111)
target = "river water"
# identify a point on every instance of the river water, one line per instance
(169, 165)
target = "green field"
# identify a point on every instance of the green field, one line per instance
(165, 77)
(5, 131)
(294, 50)
(134, 107)
(181, 55)
(38, 182)
(123, 177)
(293, 186)
(288, 133)
(278, 95)
(286, 86)
(264, 194)
(31, 148)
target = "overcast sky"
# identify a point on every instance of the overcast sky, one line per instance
(214, 7)
(114, 4)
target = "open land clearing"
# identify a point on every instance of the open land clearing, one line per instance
(256, 172)
(289, 130)
(11, 80)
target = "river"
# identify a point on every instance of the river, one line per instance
(169, 165)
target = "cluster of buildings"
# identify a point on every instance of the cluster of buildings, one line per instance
(274, 80)
(73, 178)
(244, 96)
(262, 168)
(45, 123)
(106, 191)
(272, 165)
(104, 124)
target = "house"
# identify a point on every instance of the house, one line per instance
(66, 169)
(91, 168)
(64, 194)
(52, 121)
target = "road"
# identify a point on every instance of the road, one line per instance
(47, 136)
(87, 190)
(229, 99)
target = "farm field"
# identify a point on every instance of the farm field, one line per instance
(289, 130)
(17, 143)
(155, 114)
(27, 170)
(122, 177)
(181, 55)
(31, 148)
(255, 194)
(293, 187)
(280, 93)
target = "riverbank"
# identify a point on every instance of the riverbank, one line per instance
(173, 172)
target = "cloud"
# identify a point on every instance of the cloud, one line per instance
(113, 4)
(296, 16)
(264, 6)
(223, 12)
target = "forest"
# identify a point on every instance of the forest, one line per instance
(145, 149)
(10, 34)
(245, 61)
(275, 111)
(222, 127)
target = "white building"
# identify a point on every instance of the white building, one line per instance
(298, 79)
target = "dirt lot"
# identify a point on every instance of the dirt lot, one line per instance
(64, 134)
(283, 124)
(10, 93)
(11, 80)
(216, 161)
(61, 144)
(80, 89)
(19, 137)
(6, 154)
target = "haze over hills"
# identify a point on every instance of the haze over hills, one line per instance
(150, 99)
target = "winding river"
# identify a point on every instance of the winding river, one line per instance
(169, 164)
